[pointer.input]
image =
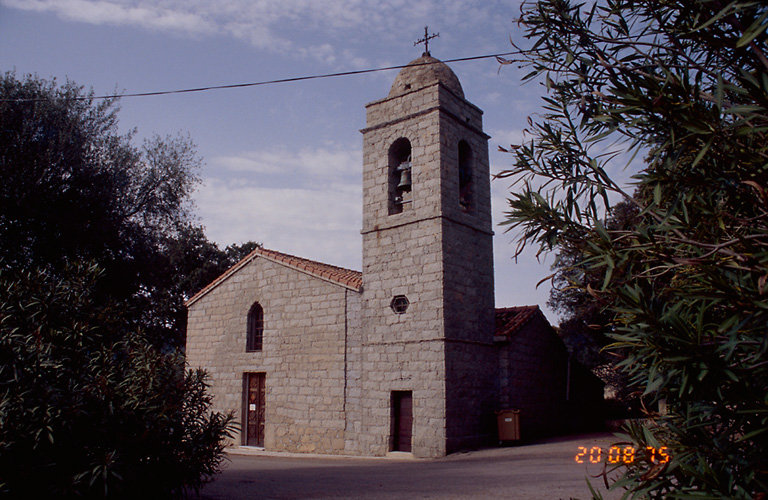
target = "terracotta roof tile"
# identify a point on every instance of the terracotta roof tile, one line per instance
(346, 277)
(511, 319)
(339, 275)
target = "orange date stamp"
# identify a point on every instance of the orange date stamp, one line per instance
(616, 455)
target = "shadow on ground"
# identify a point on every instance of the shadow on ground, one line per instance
(543, 470)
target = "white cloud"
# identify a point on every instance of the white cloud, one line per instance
(320, 225)
(317, 167)
(106, 12)
(324, 52)
(355, 62)
(305, 202)
(505, 138)
(280, 26)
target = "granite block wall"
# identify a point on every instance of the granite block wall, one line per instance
(533, 368)
(440, 257)
(306, 333)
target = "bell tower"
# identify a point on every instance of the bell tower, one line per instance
(428, 298)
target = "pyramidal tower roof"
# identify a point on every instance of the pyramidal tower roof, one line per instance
(422, 72)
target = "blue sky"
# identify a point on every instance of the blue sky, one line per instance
(283, 162)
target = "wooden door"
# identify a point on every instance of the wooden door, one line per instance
(402, 420)
(254, 409)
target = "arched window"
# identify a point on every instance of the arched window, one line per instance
(400, 176)
(465, 176)
(255, 328)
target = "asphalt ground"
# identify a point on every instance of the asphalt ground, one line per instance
(541, 470)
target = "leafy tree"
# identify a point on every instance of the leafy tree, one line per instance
(75, 189)
(190, 262)
(685, 85)
(586, 322)
(98, 251)
(89, 408)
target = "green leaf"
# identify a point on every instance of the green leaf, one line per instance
(754, 30)
(701, 153)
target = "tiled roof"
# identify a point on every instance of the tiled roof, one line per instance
(346, 277)
(511, 319)
(338, 275)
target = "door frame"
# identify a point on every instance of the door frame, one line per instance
(396, 421)
(260, 410)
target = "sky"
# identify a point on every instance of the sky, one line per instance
(283, 163)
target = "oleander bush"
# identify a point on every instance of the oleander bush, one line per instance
(678, 91)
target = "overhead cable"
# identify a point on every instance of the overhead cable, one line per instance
(266, 82)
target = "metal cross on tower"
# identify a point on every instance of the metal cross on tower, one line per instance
(426, 39)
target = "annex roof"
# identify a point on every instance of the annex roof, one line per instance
(510, 319)
(347, 278)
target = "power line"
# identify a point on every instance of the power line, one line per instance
(266, 82)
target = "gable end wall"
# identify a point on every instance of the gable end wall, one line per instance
(307, 329)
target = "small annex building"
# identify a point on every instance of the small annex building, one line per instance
(410, 354)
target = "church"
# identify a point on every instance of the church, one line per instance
(409, 355)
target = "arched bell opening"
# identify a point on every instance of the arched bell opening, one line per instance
(465, 176)
(400, 178)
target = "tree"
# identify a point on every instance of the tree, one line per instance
(192, 262)
(74, 189)
(90, 408)
(586, 323)
(98, 251)
(685, 85)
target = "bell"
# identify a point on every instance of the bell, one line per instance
(405, 176)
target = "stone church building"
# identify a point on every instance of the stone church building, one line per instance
(410, 354)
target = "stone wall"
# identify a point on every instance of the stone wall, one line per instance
(533, 368)
(403, 352)
(441, 259)
(402, 255)
(470, 356)
(354, 375)
(468, 280)
(307, 330)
